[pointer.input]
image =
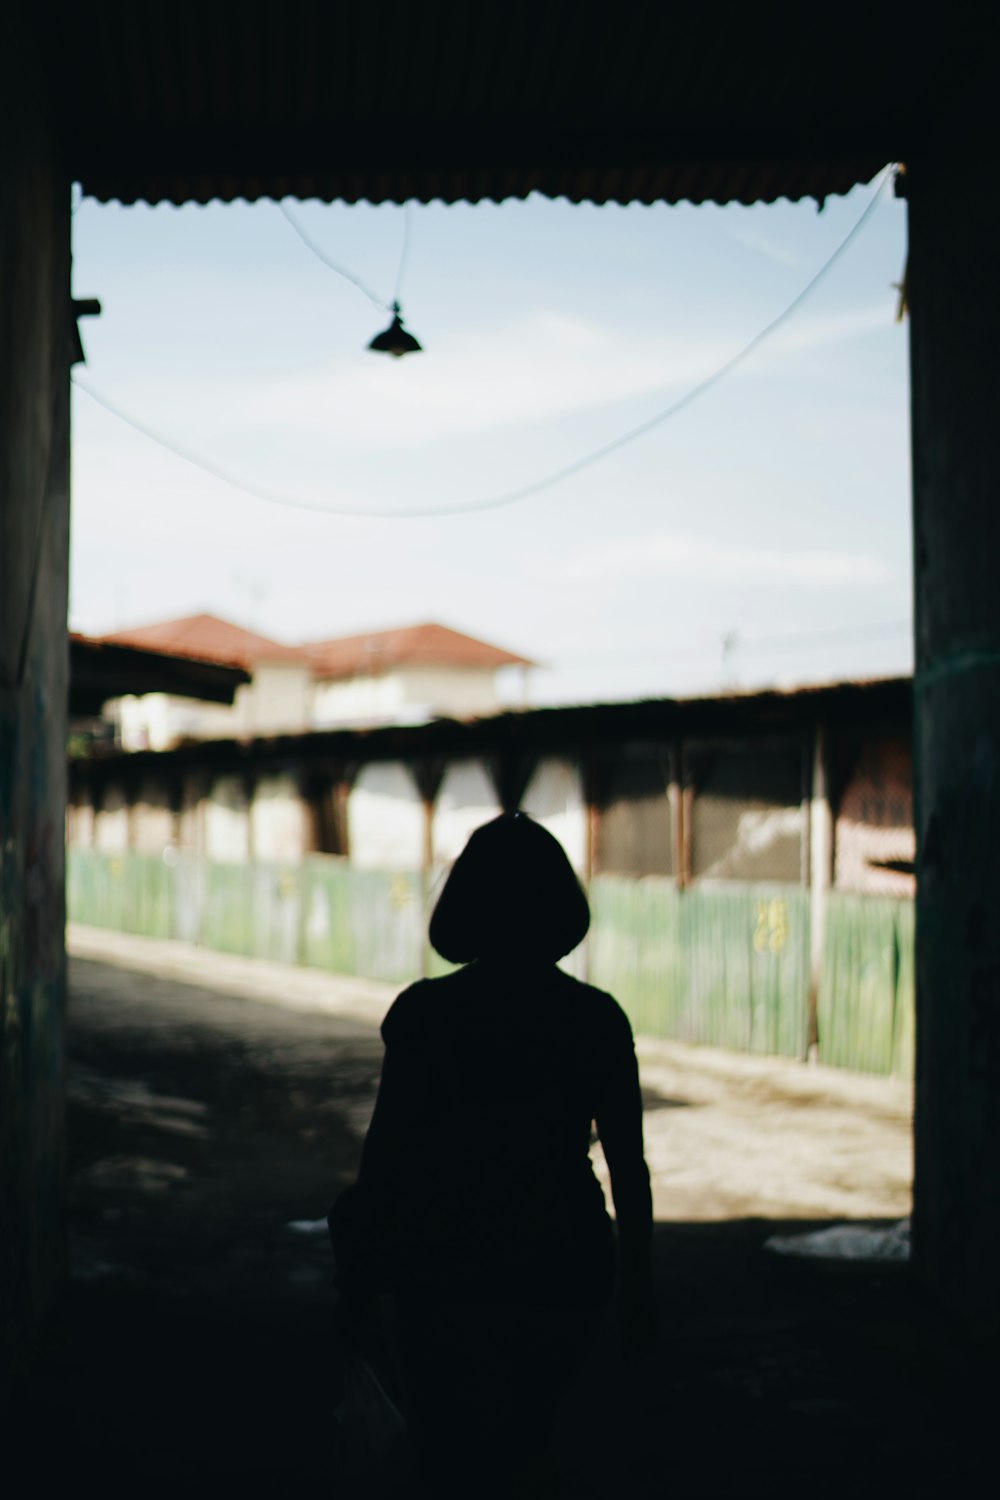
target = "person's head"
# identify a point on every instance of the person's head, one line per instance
(511, 894)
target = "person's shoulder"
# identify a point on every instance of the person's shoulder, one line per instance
(414, 1012)
(597, 1006)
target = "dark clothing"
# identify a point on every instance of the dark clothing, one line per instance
(484, 1384)
(476, 1183)
(477, 1207)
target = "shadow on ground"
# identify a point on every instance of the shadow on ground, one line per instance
(194, 1348)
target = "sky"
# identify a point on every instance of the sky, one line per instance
(759, 536)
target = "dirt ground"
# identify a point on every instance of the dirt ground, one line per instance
(217, 1105)
(727, 1135)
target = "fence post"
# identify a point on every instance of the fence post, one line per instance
(820, 870)
(681, 795)
(249, 785)
(595, 775)
(428, 774)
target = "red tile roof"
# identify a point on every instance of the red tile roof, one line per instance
(411, 645)
(207, 638)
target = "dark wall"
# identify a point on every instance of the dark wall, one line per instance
(34, 533)
(955, 320)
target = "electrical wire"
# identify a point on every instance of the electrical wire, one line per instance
(332, 265)
(405, 252)
(536, 486)
(259, 492)
(748, 645)
(810, 638)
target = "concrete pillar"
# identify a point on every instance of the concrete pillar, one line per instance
(386, 818)
(554, 797)
(34, 549)
(954, 299)
(459, 799)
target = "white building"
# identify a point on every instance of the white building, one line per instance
(410, 675)
(276, 700)
(402, 676)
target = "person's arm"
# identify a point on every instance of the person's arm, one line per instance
(365, 1220)
(398, 1108)
(619, 1125)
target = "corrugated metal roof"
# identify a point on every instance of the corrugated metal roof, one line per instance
(572, 730)
(390, 100)
(100, 669)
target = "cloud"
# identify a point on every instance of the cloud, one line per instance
(755, 239)
(531, 370)
(805, 334)
(667, 554)
(534, 370)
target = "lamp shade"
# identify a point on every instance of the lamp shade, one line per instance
(395, 340)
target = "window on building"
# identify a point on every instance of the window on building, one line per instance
(874, 841)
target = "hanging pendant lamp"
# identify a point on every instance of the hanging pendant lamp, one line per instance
(395, 340)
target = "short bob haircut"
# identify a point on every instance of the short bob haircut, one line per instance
(511, 894)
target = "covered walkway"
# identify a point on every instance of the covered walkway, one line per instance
(209, 1128)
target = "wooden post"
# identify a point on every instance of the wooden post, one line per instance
(680, 803)
(595, 777)
(341, 797)
(130, 791)
(820, 873)
(249, 784)
(596, 773)
(175, 802)
(594, 814)
(428, 775)
(36, 339)
(953, 294)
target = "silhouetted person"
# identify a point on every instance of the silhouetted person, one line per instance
(476, 1206)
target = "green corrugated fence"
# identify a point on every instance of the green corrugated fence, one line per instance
(729, 966)
(722, 965)
(321, 913)
(725, 966)
(866, 997)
